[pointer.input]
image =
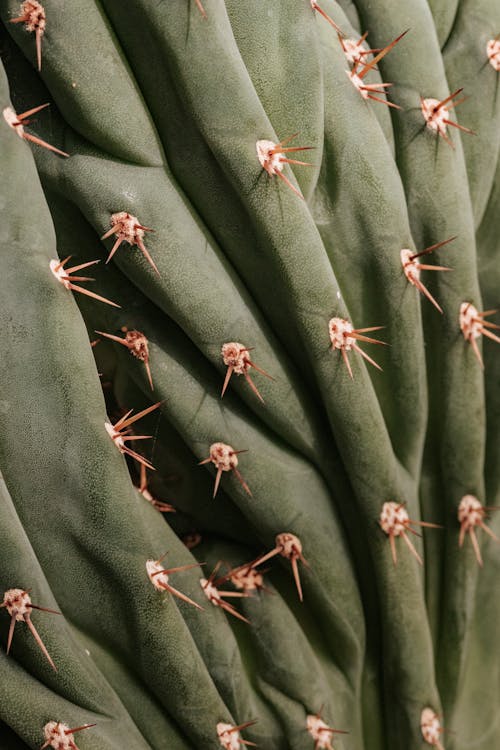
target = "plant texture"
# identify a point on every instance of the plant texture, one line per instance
(249, 411)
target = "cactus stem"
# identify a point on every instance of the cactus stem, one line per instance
(137, 344)
(160, 506)
(224, 458)
(343, 336)
(316, 7)
(472, 325)
(127, 228)
(431, 728)
(216, 597)
(493, 53)
(321, 732)
(159, 577)
(33, 16)
(63, 275)
(60, 737)
(229, 735)
(471, 513)
(17, 123)
(394, 521)
(289, 546)
(436, 115)
(235, 356)
(19, 605)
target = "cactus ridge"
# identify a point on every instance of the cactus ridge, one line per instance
(281, 605)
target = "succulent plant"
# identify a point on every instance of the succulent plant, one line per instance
(181, 570)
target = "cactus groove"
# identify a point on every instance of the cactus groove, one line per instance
(305, 557)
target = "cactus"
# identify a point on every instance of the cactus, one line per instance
(225, 560)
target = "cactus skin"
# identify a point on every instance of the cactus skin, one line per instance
(241, 258)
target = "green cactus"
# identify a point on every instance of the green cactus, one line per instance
(265, 188)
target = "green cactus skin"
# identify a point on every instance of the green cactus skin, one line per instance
(170, 137)
(456, 400)
(54, 531)
(472, 29)
(192, 385)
